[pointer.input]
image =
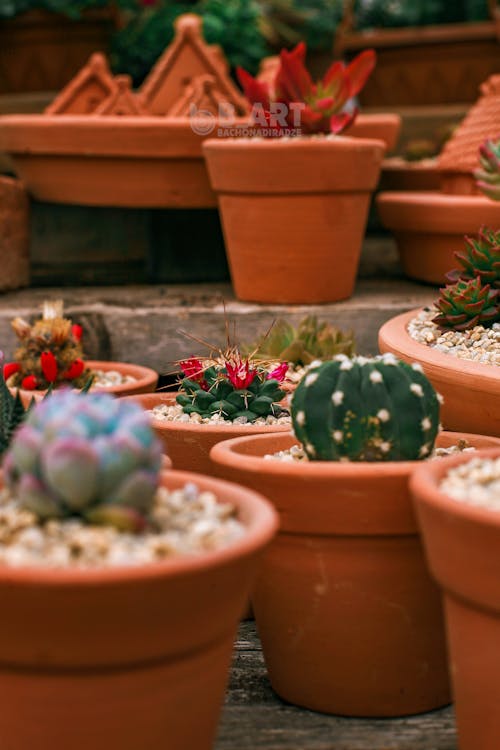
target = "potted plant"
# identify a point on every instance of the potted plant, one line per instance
(456, 343)
(43, 43)
(457, 507)
(50, 354)
(221, 396)
(294, 209)
(136, 581)
(349, 618)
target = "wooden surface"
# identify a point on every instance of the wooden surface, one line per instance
(254, 718)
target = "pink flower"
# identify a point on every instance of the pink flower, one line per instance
(279, 373)
(240, 374)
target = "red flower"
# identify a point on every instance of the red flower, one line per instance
(49, 366)
(74, 370)
(10, 368)
(279, 373)
(239, 374)
(77, 332)
(310, 107)
(192, 368)
(29, 383)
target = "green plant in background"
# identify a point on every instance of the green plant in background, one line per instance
(70, 8)
(401, 13)
(301, 345)
(467, 304)
(284, 23)
(481, 258)
(488, 175)
(365, 409)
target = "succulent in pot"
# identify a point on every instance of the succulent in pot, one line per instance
(488, 174)
(136, 579)
(350, 620)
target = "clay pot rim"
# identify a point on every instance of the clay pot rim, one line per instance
(424, 488)
(421, 201)
(261, 525)
(209, 429)
(396, 339)
(303, 143)
(226, 452)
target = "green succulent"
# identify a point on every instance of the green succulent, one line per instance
(363, 409)
(481, 258)
(467, 304)
(488, 175)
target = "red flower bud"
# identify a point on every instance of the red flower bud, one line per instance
(10, 368)
(74, 370)
(49, 366)
(29, 383)
(77, 332)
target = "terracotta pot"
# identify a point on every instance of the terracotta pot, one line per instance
(383, 126)
(14, 234)
(399, 174)
(119, 657)
(189, 444)
(349, 618)
(462, 544)
(293, 213)
(429, 228)
(471, 390)
(146, 380)
(41, 51)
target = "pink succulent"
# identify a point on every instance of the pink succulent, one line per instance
(279, 373)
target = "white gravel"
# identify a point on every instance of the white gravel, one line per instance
(478, 344)
(476, 482)
(183, 522)
(297, 452)
(110, 378)
(174, 413)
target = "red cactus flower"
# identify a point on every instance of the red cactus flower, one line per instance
(298, 102)
(240, 374)
(192, 368)
(77, 332)
(279, 373)
(29, 383)
(74, 370)
(10, 368)
(49, 367)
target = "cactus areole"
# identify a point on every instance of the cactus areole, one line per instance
(86, 455)
(363, 409)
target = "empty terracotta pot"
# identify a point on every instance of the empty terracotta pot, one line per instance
(462, 545)
(349, 618)
(471, 390)
(130, 658)
(188, 444)
(293, 213)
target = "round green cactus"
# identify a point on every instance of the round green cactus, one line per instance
(87, 455)
(364, 409)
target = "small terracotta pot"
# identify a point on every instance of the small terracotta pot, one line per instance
(293, 213)
(350, 620)
(462, 544)
(471, 390)
(429, 228)
(146, 380)
(117, 658)
(189, 444)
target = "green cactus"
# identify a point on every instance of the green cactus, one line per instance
(233, 390)
(309, 341)
(87, 455)
(488, 175)
(467, 304)
(480, 258)
(363, 409)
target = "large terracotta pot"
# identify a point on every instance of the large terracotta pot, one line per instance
(120, 658)
(293, 213)
(429, 228)
(189, 444)
(471, 390)
(462, 544)
(41, 51)
(349, 618)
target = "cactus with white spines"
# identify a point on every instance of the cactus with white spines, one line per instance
(363, 409)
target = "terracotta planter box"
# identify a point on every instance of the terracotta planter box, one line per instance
(41, 51)
(462, 545)
(349, 618)
(294, 213)
(429, 228)
(14, 235)
(120, 656)
(471, 390)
